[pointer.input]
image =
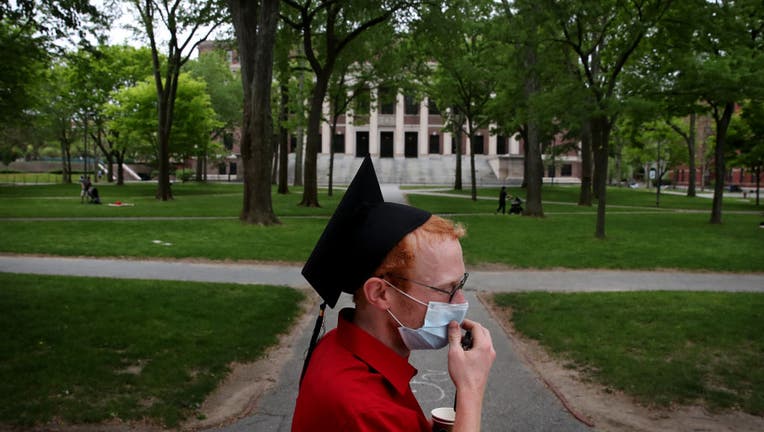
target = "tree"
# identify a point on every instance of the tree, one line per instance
(662, 148)
(133, 123)
(327, 28)
(20, 72)
(456, 38)
(349, 89)
(21, 76)
(226, 95)
(747, 140)
(188, 23)
(255, 24)
(604, 36)
(533, 84)
(99, 73)
(719, 60)
(29, 30)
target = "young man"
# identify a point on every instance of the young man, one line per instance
(405, 270)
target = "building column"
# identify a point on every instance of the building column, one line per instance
(398, 134)
(424, 124)
(374, 125)
(326, 131)
(447, 139)
(349, 132)
(492, 141)
(514, 145)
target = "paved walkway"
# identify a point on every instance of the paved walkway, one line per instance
(516, 399)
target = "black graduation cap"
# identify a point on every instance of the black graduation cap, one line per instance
(363, 229)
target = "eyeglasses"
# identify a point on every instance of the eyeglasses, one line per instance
(450, 294)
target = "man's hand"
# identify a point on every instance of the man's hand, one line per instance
(469, 371)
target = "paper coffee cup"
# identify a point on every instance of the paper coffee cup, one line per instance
(443, 419)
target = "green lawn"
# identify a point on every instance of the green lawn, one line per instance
(190, 200)
(86, 350)
(667, 241)
(29, 178)
(566, 197)
(663, 348)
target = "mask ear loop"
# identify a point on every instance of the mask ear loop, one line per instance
(405, 294)
(395, 318)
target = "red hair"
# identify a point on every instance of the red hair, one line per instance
(401, 257)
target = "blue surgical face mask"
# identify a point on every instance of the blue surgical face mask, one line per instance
(434, 332)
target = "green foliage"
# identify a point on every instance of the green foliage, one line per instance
(134, 119)
(20, 72)
(223, 86)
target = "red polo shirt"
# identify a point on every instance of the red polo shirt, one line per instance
(356, 383)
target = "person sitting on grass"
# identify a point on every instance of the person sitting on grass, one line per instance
(93, 194)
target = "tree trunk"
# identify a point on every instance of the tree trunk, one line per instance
(473, 186)
(284, 143)
(66, 163)
(535, 172)
(534, 166)
(255, 24)
(275, 143)
(333, 130)
(722, 123)
(310, 190)
(585, 195)
(691, 153)
(600, 130)
(298, 151)
(120, 156)
(458, 175)
(165, 107)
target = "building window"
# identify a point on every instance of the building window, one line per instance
(434, 145)
(566, 170)
(432, 108)
(338, 144)
(501, 144)
(228, 141)
(361, 143)
(362, 101)
(550, 171)
(411, 148)
(477, 145)
(386, 144)
(411, 105)
(386, 101)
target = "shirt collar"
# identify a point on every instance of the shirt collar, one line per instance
(394, 368)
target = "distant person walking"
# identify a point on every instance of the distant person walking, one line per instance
(502, 200)
(84, 186)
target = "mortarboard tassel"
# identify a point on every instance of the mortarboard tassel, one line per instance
(313, 339)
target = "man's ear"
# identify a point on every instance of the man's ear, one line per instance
(376, 293)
